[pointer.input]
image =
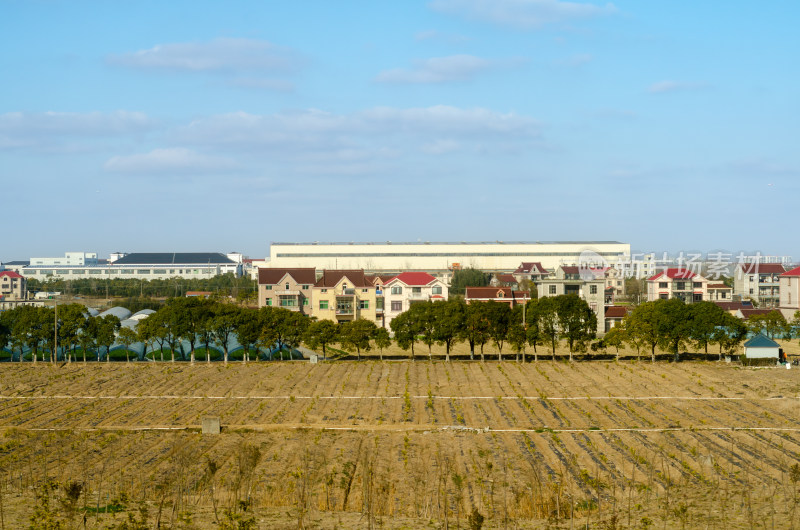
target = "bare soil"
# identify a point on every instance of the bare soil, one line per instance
(401, 444)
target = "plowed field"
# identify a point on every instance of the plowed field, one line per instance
(404, 444)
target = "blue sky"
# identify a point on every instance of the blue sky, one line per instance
(189, 126)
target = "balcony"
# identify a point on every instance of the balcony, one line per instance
(417, 296)
(287, 293)
(344, 311)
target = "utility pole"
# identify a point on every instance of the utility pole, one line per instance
(54, 354)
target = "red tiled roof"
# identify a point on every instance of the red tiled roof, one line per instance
(506, 278)
(491, 293)
(617, 311)
(528, 267)
(733, 306)
(270, 276)
(375, 278)
(331, 277)
(793, 272)
(718, 286)
(674, 273)
(762, 268)
(414, 278)
(571, 270)
(747, 313)
(10, 274)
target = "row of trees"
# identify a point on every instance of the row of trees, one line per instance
(672, 326)
(224, 284)
(184, 325)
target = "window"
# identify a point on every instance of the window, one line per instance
(78, 271)
(323, 304)
(268, 287)
(397, 290)
(662, 285)
(397, 306)
(143, 271)
(287, 287)
(95, 272)
(416, 289)
(680, 286)
(269, 301)
(363, 304)
(592, 289)
(305, 301)
(323, 290)
(437, 290)
(305, 287)
(364, 290)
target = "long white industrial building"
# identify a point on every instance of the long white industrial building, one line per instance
(441, 257)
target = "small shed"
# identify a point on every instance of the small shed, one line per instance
(761, 347)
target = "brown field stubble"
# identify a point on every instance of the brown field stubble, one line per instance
(402, 444)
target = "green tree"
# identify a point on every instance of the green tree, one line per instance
(576, 321)
(476, 327)
(730, 334)
(517, 334)
(532, 332)
(706, 317)
(127, 337)
(5, 329)
(673, 324)
(356, 335)
(71, 318)
(450, 318)
(405, 330)
(320, 333)
(547, 320)
(615, 337)
(248, 330)
(106, 334)
(424, 315)
(292, 326)
(468, 277)
(87, 335)
(382, 340)
(642, 327)
(772, 324)
(499, 316)
(223, 323)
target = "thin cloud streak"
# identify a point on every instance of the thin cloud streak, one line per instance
(218, 55)
(522, 14)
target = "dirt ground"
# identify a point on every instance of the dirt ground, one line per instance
(401, 444)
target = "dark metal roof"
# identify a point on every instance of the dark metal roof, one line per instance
(174, 258)
(17, 263)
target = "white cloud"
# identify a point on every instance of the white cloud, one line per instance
(662, 87)
(441, 147)
(278, 85)
(524, 14)
(316, 129)
(51, 130)
(225, 54)
(169, 161)
(437, 70)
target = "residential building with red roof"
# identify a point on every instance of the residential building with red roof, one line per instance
(586, 283)
(346, 295)
(615, 314)
(504, 280)
(287, 288)
(13, 286)
(531, 271)
(789, 292)
(719, 292)
(504, 295)
(759, 282)
(677, 282)
(408, 288)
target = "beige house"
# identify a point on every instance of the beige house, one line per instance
(719, 292)
(789, 292)
(345, 295)
(287, 288)
(13, 286)
(588, 284)
(677, 283)
(409, 288)
(759, 281)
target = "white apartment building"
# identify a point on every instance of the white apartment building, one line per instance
(760, 282)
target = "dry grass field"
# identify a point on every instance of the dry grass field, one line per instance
(400, 444)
